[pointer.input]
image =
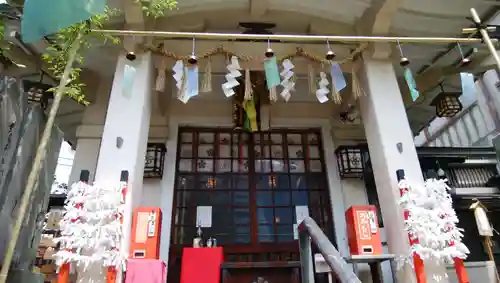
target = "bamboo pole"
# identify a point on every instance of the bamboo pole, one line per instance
(474, 30)
(37, 162)
(486, 38)
(488, 244)
(289, 37)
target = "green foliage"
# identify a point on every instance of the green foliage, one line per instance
(57, 54)
(156, 8)
(3, 45)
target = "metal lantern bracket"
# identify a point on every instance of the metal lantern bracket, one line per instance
(38, 92)
(351, 161)
(154, 161)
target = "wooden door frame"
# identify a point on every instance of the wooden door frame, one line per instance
(333, 180)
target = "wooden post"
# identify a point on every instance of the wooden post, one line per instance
(112, 272)
(488, 244)
(485, 229)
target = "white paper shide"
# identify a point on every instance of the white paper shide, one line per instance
(432, 221)
(91, 229)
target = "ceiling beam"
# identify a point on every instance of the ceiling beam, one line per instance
(377, 19)
(487, 17)
(133, 13)
(134, 19)
(258, 7)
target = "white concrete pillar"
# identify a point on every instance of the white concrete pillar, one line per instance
(87, 150)
(125, 135)
(391, 147)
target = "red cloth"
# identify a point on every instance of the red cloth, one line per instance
(145, 271)
(201, 265)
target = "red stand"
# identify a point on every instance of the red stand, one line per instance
(111, 275)
(462, 275)
(63, 274)
(201, 265)
(111, 272)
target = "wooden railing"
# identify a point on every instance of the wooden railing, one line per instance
(466, 175)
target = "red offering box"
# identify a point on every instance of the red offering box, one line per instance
(363, 232)
(201, 265)
(146, 233)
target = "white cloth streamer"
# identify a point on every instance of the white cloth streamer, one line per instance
(233, 73)
(287, 79)
(322, 91)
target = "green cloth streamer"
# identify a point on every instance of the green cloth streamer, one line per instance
(251, 113)
(412, 85)
(246, 123)
(272, 74)
(46, 17)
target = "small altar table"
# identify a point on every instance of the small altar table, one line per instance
(374, 261)
(145, 271)
(201, 265)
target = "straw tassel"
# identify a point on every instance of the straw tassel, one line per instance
(312, 79)
(206, 85)
(248, 86)
(273, 97)
(357, 90)
(160, 79)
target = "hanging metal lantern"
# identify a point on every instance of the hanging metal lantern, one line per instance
(351, 160)
(447, 104)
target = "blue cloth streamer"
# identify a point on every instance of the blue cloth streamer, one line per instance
(272, 73)
(412, 85)
(192, 81)
(338, 78)
(128, 80)
(45, 17)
